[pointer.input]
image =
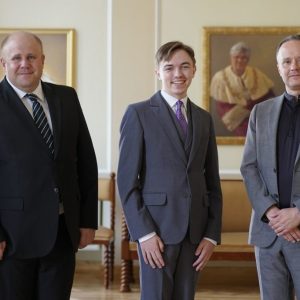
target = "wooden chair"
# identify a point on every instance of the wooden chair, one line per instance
(128, 254)
(105, 235)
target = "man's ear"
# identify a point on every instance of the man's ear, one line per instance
(157, 74)
(43, 59)
(2, 61)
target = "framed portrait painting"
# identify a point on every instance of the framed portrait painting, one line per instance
(58, 47)
(239, 71)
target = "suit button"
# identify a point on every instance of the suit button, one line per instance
(56, 190)
(275, 170)
(276, 196)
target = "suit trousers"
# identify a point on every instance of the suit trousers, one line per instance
(177, 280)
(44, 278)
(278, 269)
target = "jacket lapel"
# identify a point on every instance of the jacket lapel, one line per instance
(273, 119)
(198, 130)
(161, 113)
(18, 108)
(16, 104)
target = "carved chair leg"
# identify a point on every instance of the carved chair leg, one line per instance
(131, 271)
(112, 261)
(125, 267)
(106, 267)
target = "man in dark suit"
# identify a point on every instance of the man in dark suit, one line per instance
(168, 179)
(48, 175)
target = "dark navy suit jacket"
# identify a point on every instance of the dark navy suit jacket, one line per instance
(32, 183)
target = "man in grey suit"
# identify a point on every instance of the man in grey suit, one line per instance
(271, 171)
(168, 179)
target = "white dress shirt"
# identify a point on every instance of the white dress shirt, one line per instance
(28, 103)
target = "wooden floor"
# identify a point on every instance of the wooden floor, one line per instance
(222, 283)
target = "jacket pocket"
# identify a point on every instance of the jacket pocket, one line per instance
(155, 198)
(11, 203)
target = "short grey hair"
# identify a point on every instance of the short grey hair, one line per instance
(293, 37)
(240, 47)
(28, 34)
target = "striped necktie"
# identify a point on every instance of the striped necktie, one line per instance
(41, 122)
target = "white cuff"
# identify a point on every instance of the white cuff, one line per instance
(147, 237)
(212, 241)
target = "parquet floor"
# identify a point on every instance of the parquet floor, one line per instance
(222, 283)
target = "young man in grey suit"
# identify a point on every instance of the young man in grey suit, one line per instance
(271, 171)
(168, 179)
(48, 177)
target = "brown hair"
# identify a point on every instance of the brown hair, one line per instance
(165, 52)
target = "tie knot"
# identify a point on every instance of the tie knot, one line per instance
(32, 97)
(179, 104)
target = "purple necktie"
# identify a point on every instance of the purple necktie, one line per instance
(182, 121)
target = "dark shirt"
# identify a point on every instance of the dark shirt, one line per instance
(288, 138)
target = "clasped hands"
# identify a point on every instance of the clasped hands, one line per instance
(153, 248)
(285, 222)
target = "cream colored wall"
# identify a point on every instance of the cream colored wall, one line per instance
(184, 20)
(89, 19)
(115, 46)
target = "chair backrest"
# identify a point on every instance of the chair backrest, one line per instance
(236, 206)
(106, 193)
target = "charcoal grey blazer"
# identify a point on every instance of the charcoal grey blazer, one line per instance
(163, 189)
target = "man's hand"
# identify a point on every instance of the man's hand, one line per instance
(272, 212)
(87, 236)
(285, 222)
(204, 252)
(152, 252)
(2, 248)
(293, 235)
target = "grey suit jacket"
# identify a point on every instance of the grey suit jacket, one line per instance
(259, 168)
(161, 188)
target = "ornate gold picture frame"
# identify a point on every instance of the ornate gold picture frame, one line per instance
(59, 51)
(217, 42)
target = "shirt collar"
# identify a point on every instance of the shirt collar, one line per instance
(292, 100)
(172, 100)
(38, 91)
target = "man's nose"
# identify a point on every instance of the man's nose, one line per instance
(177, 71)
(295, 64)
(24, 62)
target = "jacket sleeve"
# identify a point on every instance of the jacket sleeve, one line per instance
(87, 175)
(213, 229)
(129, 175)
(253, 178)
(2, 235)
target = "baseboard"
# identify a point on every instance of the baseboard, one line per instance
(211, 275)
